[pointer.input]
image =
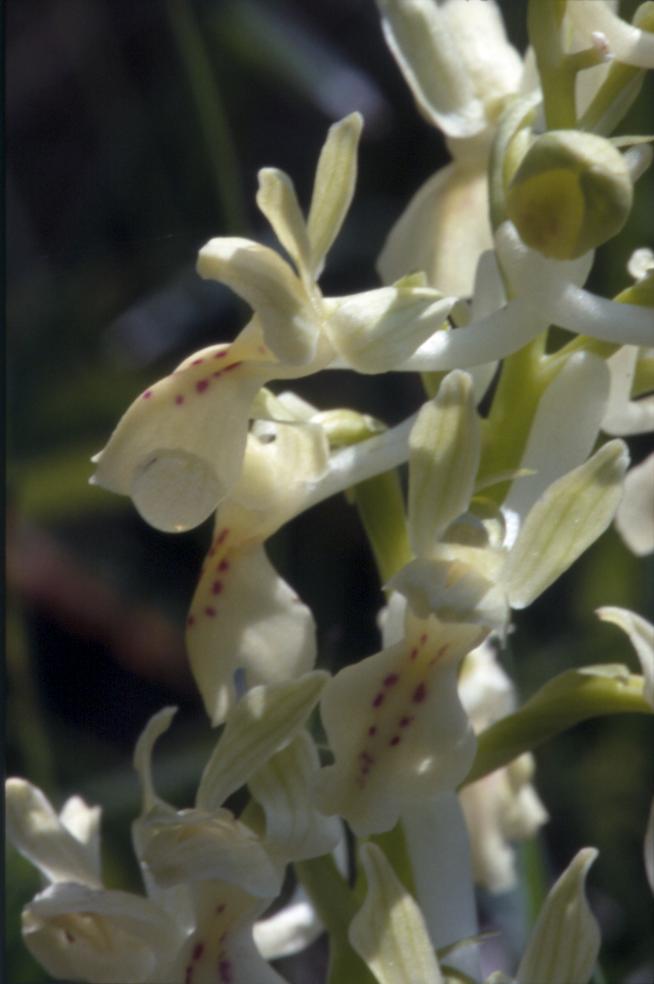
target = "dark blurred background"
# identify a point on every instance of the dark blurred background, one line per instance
(134, 134)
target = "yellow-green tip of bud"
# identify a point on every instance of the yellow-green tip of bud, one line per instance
(571, 193)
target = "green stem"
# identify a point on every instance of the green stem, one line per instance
(523, 379)
(381, 507)
(336, 906)
(219, 142)
(557, 73)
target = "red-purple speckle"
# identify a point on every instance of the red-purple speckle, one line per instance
(190, 621)
(223, 565)
(210, 611)
(216, 587)
(179, 399)
(378, 701)
(198, 950)
(419, 693)
(391, 680)
(147, 394)
(372, 730)
(413, 654)
(395, 740)
(405, 722)
(221, 355)
(202, 385)
(197, 362)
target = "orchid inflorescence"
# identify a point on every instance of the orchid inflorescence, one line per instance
(427, 758)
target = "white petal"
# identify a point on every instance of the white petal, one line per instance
(376, 330)
(178, 449)
(262, 722)
(439, 849)
(623, 415)
(277, 200)
(266, 282)
(396, 727)
(83, 822)
(388, 931)
(40, 836)
(444, 457)
(244, 615)
(554, 445)
(197, 846)
(564, 522)
(635, 516)
(641, 636)
(155, 727)
(564, 944)
(626, 43)
(333, 187)
(222, 950)
(443, 231)
(454, 57)
(290, 930)
(97, 936)
(295, 830)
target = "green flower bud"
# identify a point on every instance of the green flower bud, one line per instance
(571, 192)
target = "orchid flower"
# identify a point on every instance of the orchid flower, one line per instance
(471, 569)
(243, 616)
(206, 863)
(179, 448)
(76, 928)
(461, 70)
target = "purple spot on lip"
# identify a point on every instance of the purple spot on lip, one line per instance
(395, 740)
(391, 679)
(419, 693)
(147, 394)
(378, 701)
(201, 385)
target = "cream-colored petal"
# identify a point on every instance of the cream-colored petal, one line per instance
(641, 636)
(623, 415)
(40, 836)
(83, 822)
(295, 830)
(625, 42)
(157, 725)
(379, 329)
(565, 941)
(454, 57)
(333, 187)
(443, 459)
(443, 231)
(573, 512)
(222, 950)
(178, 449)
(197, 845)
(396, 727)
(266, 282)
(290, 930)
(265, 719)
(83, 934)
(554, 447)
(457, 585)
(388, 932)
(282, 461)
(634, 519)
(244, 616)
(277, 200)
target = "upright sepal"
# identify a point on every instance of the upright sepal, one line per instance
(564, 944)
(388, 931)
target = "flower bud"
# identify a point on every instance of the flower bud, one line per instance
(571, 192)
